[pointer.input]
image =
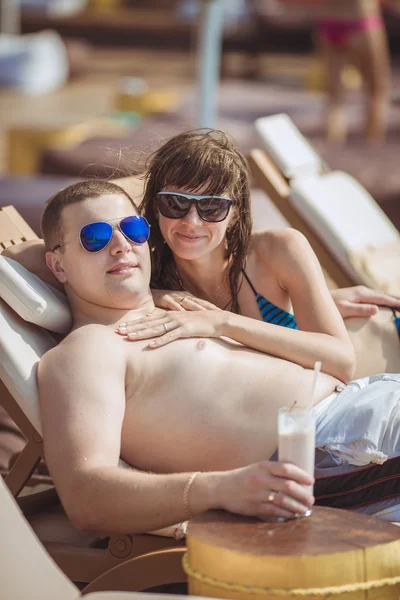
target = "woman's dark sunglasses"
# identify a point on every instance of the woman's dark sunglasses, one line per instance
(176, 205)
(96, 236)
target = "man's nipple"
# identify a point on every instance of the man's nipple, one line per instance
(201, 345)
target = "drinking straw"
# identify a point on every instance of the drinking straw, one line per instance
(317, 369)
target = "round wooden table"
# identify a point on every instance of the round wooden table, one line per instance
(332, 553)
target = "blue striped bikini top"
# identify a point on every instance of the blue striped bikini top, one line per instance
(271, 313)
(396, 320)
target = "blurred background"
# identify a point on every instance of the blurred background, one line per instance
(89, 87)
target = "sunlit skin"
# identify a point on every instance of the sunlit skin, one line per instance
(105, 279)
(199, 247)
(212, 398)
(197, 404)
(283, 269)
(206, 279)
(191, 237)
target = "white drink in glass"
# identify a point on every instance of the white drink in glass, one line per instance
(296, 439)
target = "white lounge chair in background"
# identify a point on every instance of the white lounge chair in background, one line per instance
(354, 240)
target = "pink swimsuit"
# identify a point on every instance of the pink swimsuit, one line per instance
(336, 31)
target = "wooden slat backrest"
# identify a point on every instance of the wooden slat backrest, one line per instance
(13, 229)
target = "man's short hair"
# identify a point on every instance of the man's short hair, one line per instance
(51, 223)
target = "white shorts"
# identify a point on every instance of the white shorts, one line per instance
(361, 424)
(357, 463)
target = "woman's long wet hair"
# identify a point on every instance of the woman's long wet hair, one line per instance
(190, 161)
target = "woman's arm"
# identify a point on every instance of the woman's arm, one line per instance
(31, 255)
(357, 301)
(322, 334)
(362, 302)
(180, 300)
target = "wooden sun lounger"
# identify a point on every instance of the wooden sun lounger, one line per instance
(354, 240)
(13, 228)
(135, 562)
(270, 179)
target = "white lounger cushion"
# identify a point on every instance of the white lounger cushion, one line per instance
(33, 299)
(21, 347)
(27, 571)
(351, 225)
(289, 149)
(342, 213)
(22, 343)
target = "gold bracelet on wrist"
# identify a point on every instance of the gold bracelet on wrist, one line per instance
(186, 491)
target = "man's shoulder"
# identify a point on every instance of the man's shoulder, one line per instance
(91, 331)
(92, 342)
(89, 335)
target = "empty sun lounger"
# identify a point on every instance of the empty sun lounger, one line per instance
(354, 240)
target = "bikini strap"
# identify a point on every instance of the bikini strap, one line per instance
(249, 282)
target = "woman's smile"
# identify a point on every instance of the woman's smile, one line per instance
(190, 238)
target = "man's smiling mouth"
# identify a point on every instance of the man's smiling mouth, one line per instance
(122, 268)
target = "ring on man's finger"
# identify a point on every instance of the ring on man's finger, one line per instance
(271, 497)
(165, 327)
(184, 298)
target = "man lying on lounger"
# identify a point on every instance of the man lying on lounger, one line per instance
(197, 416)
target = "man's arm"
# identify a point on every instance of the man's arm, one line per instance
(82, 398)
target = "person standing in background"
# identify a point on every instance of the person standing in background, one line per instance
(353, 32)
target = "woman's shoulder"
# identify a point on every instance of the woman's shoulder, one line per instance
(276, 242)
(269, 259)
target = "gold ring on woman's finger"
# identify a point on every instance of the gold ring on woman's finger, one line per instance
(180, 303)
(165, 327)
(271, 497)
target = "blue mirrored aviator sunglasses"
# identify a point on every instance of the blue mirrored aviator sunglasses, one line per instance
(176, 205)
(96, 236)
